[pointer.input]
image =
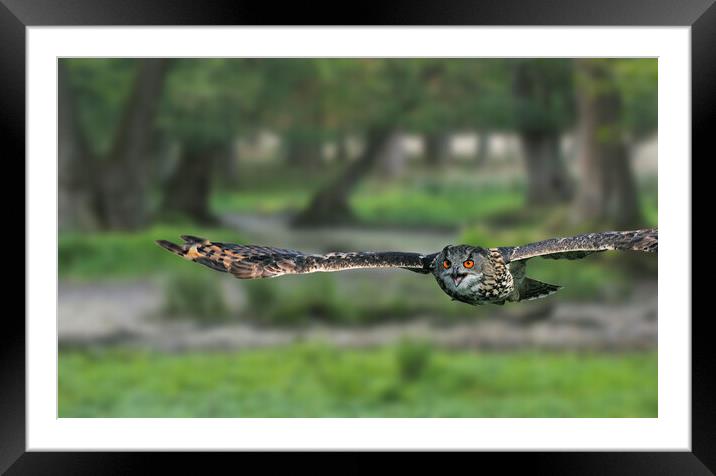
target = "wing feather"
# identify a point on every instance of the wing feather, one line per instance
(576, 247)
(253, 262)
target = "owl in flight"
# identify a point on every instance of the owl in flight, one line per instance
(466, 273)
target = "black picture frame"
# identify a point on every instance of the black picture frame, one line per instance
(16, 15)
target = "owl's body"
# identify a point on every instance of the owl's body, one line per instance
(466, 273)
(488, 279)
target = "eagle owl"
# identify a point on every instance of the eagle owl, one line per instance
(466, 273)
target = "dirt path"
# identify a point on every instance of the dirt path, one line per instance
(106, 314)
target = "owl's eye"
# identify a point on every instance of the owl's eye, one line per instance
(469, 264)
(446, 264)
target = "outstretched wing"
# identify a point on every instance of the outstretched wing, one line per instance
(576, 247)
(253, 262)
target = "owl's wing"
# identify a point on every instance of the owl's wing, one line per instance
(253, 262)
(576, 247)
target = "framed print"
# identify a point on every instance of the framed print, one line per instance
(534, 131)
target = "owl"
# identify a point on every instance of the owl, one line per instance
(469, 274)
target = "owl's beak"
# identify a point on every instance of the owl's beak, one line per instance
(457, 278)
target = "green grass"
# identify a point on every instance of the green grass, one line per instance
(420, 199)
(316, 380)
(649, 200)
(266, 201)
(103, 255)
(433, 204)
(417, 200)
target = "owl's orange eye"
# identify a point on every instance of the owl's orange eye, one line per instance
(446, 264)
(469, 264)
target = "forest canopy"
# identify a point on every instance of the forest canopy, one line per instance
(145, 140)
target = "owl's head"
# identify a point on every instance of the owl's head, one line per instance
(461, 266)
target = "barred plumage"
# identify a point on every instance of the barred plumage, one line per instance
(252, 262)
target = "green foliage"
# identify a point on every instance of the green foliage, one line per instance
(543, 100)
(320, 99)
(310, 297)
(413, 358)
(420, 200)
(637, 80)
(194, 295)
(434, 203)
(649, 198)
(209, 101)
(316, 380)
(101, 87)
(108, 255)
(319, 298)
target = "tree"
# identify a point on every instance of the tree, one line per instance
(295, 106)
(330, 205)
(385, 92)
(125, 171)
(607, 191)
(462, 95)
(542, 109)
(303, 148)
(188, 189)
(107, 111)
(75, 191)
(437, 148)
(208, 102)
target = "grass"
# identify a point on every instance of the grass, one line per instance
(193, 295)
(418, 201)
(433, 204)
(649, 200)
(424, 198)
(316, 380)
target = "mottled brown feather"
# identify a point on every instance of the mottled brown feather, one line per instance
(253, 262)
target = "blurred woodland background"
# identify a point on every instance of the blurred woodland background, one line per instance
(352, 154)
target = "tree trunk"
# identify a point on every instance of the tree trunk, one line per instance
(483, 148)
(437, 149)
(303, 152)
(226, 172)
(342, 153)
(547, 179)
(188, 189)
(76, 209)
(392, 157)
(330, 205)
(607, 191)
(125, 171)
